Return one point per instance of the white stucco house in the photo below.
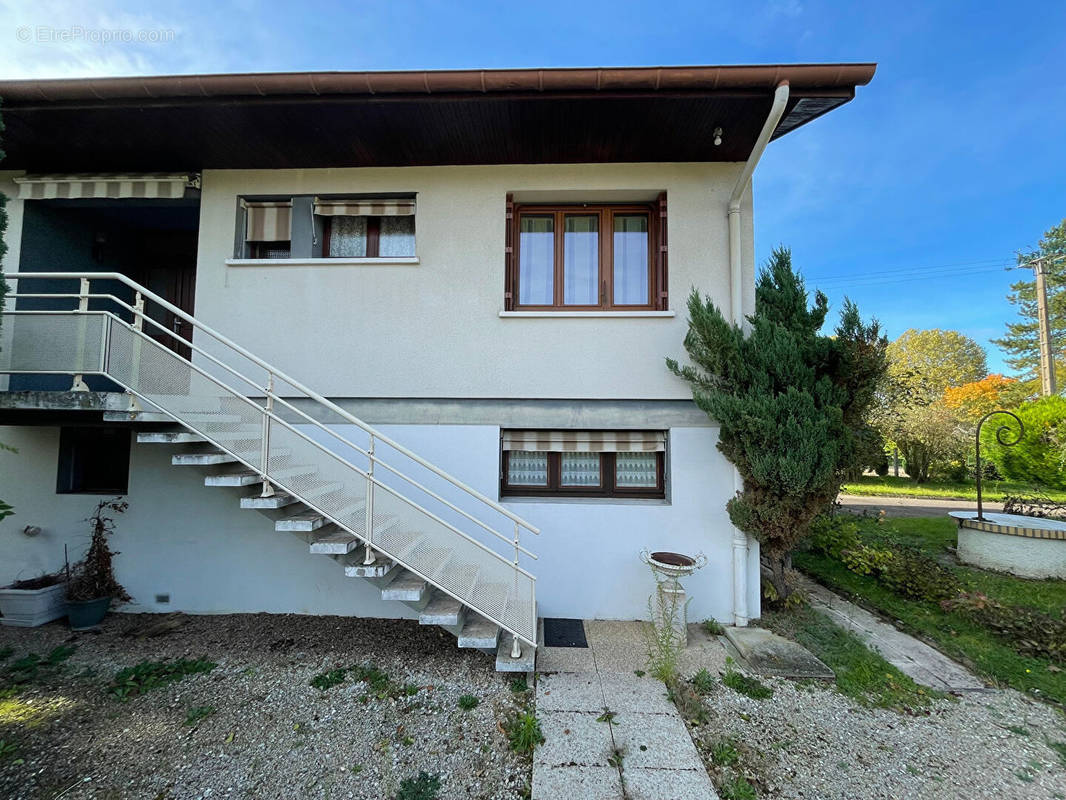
(417, 319)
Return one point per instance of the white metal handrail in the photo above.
(270, 416)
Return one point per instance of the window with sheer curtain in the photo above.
(588, 257)
(583, 463)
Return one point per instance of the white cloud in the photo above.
(66, 38)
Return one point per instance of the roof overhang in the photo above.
(358, 119)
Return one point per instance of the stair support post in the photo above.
(268, 489)
(137, 326)
(369, 525)
(79, 385)
(516, 646)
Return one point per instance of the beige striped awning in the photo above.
(108, 186)
(352, 207)
(586, 441)
(268, 220)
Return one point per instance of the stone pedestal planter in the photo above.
(28, 608)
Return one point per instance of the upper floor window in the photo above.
(587, 257)
(367, 228)
(308, 227)
(268, 228)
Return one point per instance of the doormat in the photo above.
(564, 633)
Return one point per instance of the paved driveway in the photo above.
(909, 506)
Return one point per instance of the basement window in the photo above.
(583, 463)
(93, 461)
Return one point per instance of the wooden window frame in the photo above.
(608, 481)
(606, 212)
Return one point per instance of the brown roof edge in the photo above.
(801, 77)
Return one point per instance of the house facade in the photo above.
(381, 307)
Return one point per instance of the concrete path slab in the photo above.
(925, 664)
(644, 738)
(766, 653)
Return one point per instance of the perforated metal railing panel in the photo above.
(326, 475)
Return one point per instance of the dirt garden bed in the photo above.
(386, 706)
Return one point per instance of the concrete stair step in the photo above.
(301, 521)
(479, 633)
(279, 500)
(202, 459)
(236, 478)
(526, 662)
(169, 437)
(380, 567)
(442, 609)
(332, 540)
(406, 587)
(247, 477)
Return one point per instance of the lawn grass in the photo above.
(889, 486)
(861, 674)
(955, 635)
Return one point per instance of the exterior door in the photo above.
(170, 272)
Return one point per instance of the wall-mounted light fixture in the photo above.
(717, 136)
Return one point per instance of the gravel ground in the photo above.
(272, 735)
(809, 741)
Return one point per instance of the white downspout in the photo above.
(736, 306)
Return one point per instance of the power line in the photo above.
(875, 280)
(906, 269)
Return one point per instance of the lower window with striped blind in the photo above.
(562, 463)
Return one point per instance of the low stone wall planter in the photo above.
(1030, 547)
(28, 608)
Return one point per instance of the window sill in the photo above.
(527, 314)
(322, 262)
(589, 501)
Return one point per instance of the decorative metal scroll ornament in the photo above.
(1003, 434)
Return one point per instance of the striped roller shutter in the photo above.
(268, 221)
(109, 186)
(386, 207)
(586, 441)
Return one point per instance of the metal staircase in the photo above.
(388, 515)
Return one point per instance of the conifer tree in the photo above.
(791, 403)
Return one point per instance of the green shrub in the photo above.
(1028, 631)
(747, 685)
(150, 675)
(1038, 457)
(424, 787)
(832, 535)
(911, 573)
(866, 560)
(523, 732)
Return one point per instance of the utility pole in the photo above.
(1047, 359)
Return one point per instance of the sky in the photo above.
(911, 200)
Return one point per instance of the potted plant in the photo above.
(91, 584)
(35, 601)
